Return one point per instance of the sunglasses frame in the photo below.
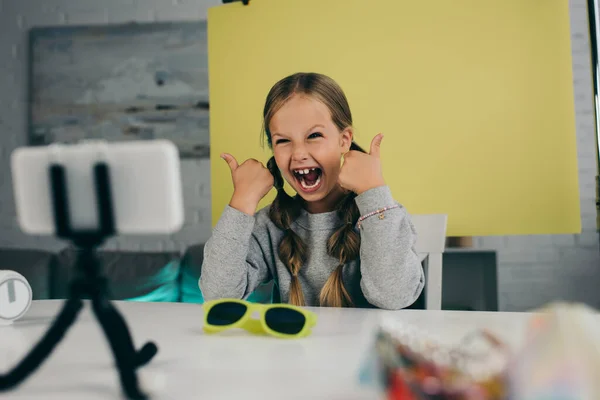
(258, 326)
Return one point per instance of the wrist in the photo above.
(374, 184)
(374, 199)
(244, 203)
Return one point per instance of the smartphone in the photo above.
(144, 177)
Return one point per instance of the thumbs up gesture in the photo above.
(360, 171)
(251, 182)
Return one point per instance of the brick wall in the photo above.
(532, 270)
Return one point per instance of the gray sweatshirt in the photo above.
(242, 254)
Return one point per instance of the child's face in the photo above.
(308, 146)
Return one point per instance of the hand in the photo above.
(360, 171)
(251, 182)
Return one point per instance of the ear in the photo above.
(346, 137)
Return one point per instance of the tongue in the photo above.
(311, 177)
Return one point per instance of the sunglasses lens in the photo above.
(226, 313)
(285, 320)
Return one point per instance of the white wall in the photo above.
(532, 270)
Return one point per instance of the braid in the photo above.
(344, 245)
(292, 250)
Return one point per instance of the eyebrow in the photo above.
(307, 131)
(313, 127)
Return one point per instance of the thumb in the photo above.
(231, 161)
(376, 145)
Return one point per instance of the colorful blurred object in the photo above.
(558, 360)
(412, 365)
(561, 356)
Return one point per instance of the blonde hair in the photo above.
(344, 243)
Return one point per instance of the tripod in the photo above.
(88, 283)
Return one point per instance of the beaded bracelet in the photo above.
(379, 211)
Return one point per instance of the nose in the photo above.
(299, 153)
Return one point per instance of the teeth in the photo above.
(304, 186)
(304, 171)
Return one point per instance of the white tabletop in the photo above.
(233, 365)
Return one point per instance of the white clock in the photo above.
(15, 296)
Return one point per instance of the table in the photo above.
(234, 365)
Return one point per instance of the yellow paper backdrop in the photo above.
(474, 97)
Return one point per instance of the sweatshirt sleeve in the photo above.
(392, 274)
(234, 262)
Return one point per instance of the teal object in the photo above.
(166, 293)
(191, 293)
(165, 283)
(177, 281)
(263, 294)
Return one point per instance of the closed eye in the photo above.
(280, 141)
(315, 135)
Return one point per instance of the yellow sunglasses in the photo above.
(279, 320)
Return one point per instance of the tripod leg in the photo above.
(44, 347)
(119, 326)
(145, 354)
(127, 359)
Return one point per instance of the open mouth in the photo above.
(309, 179)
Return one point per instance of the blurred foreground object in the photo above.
(561, 355)
(409, 364)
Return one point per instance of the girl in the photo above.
(341, 241)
